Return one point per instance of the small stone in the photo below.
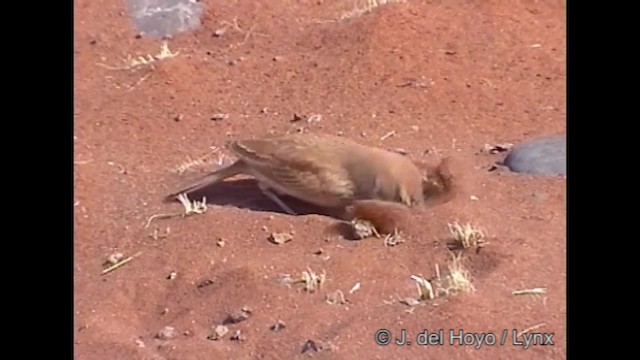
(166, 333)
(296, 118)
(280, 238)
(400, 151)
(238, 316)
(309, 345)
(219, 32)
(218, 332)
(220, 116)
(172, 275)
(115, 258)
(205, 283)
(409, 301)
(238, 336)
(279, 325)
(496, 148)
(314, 118)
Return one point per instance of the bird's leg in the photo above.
(273, 197)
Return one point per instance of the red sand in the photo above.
(446, 76)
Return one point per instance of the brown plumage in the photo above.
(384, 216)
(325, 170)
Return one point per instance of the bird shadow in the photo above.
(245, 194)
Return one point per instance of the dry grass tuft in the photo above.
(131, 63)
(336, 298)
(424, 287)
(369, 6)
(312, 281)
(466, 236)
(190, 208)
(363, 229)
(456, 280)
(393, 239)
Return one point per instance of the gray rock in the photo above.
(159, 18)
(546, 155)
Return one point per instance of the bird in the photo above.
(327, 171)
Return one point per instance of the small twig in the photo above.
(119, 264)
(388, 135)
(140, 81)
(531, 328)
(121, 168)
(234, 24)
(246, 37)
(534, 291)
(160, 216)
(190, 208)
(486, 81)
(239, 29)
(355, 288)
(157, 235)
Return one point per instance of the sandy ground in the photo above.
(447, 77)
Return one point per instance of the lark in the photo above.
(328, 171)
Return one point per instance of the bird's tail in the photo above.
(209, 179)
